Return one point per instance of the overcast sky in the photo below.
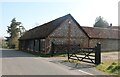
(36, 12)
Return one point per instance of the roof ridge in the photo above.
(45, 29)
(50, 21)
(99, 28)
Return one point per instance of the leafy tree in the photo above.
(100, 22)
(3, 43)
(22, 30)
(15, 31)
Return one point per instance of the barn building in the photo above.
(66, 30)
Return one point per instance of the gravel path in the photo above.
(110, 56)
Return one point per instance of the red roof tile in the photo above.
(105, 33)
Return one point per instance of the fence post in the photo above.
(52, 49)
(68, 54)
(98, 53)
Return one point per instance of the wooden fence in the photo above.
(90, 55)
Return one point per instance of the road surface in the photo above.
(21, 63)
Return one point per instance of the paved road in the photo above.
(21, 63)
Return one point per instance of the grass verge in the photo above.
(71, 61)
(112, 68)
(55, 55)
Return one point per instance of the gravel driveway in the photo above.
(110, 56)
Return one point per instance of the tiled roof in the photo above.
(44, 30)
(115, 27)
(104, 33)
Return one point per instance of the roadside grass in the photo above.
(109, 67)
(71, 61)
(60, 55)
(112, 68)
(55, 55)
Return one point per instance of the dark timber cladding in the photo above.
(66, 30)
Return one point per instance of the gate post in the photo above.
(52, 49)
(98, 53)
(68, 54)
(33, 46)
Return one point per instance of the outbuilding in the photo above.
(67, 31)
